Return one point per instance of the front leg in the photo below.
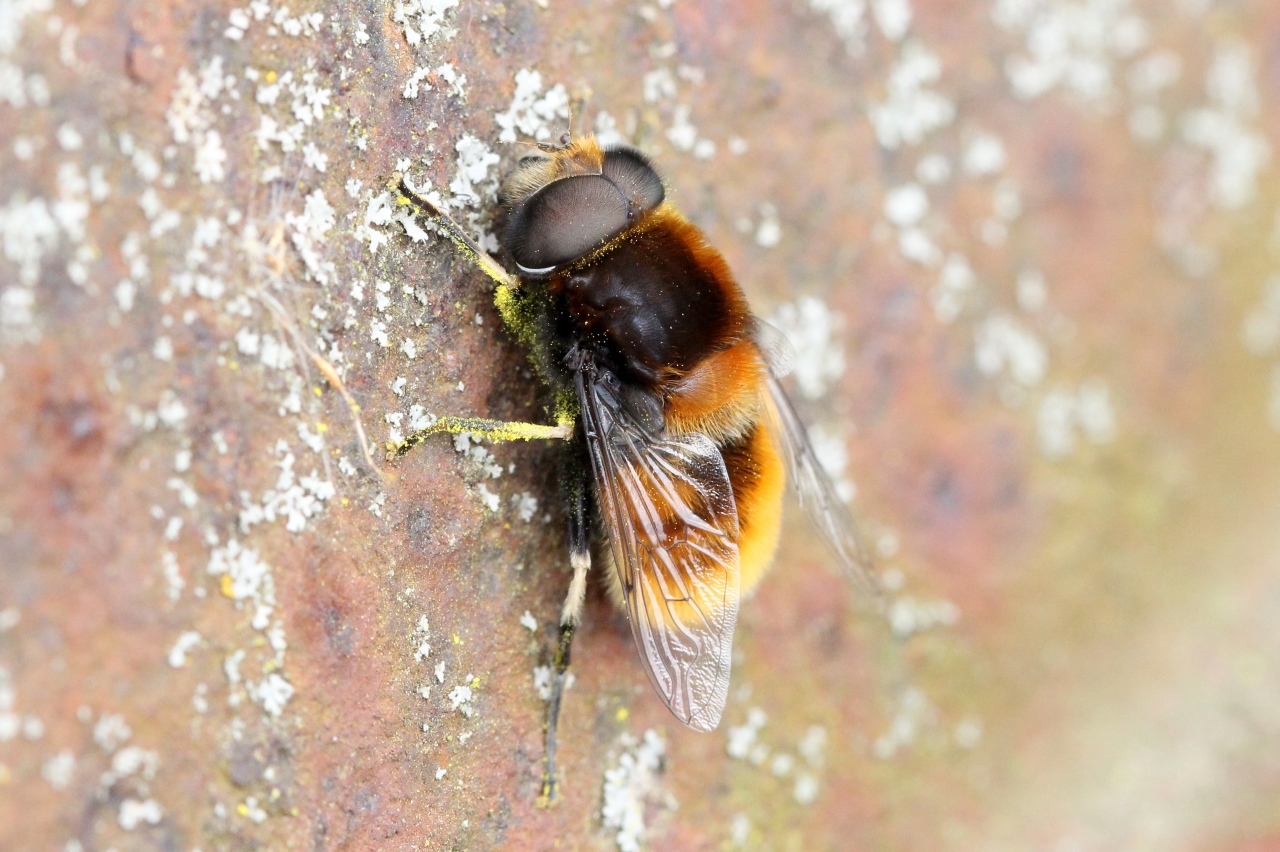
(469, 247)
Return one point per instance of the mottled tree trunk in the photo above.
(1027, 253)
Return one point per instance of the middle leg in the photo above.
(493, 430)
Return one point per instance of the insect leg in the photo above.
(493, 430)
(579, 555)
(469, 247)
(580, 559)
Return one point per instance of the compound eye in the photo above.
(633, 174)
(564, 221)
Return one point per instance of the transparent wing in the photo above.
(779, 354)
(815, 490)
(673, 529)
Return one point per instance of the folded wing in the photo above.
(673, 529)
(815, 490)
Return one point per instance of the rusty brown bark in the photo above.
(1028, 252)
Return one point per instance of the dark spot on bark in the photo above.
(364, 803)
(74, 421)
(495, 823)
(1066, 168)
(337, 634)
(520, 26)
(245, 765)
(63, 498)
(944, 493)
(828, 634)
(420, 527)
(1009, 495)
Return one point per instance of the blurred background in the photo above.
(1028, 252)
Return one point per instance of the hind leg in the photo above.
(570, 613)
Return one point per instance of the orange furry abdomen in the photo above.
(758, 477)
(722, 398)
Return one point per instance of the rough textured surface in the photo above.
(1029, 252)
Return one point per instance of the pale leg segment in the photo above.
(580, 559)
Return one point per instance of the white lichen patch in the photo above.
(848, 18)
(188, 640)
(272, 692)
(111, 731)
(913, 714)
(968, 733)
(29, 232)
(544, 678)
(632, 786)
(984, 155)
(475, 181)
(1004, 348)
(746, 744)
(307, 232)
(768, 233)
(956, 282)
(10, 721)
(295, 499)
(906, 205)
(740, 830)
(1066, 416)
(1149, 78)
(533, 113)
(833, 455)
(490, 500)
(1070, 45)
(813, 330)
(59, 770)
(744, 739)
(525, 504)
(683, 135)
(908, 615)
(245, 578)
(133, 763)
(1225, 128)
(910, 109)
(460, 698)
(133, 813)
(422, 638)
(192, 113)
(423, 20)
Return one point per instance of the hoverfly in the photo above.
(679, 434)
